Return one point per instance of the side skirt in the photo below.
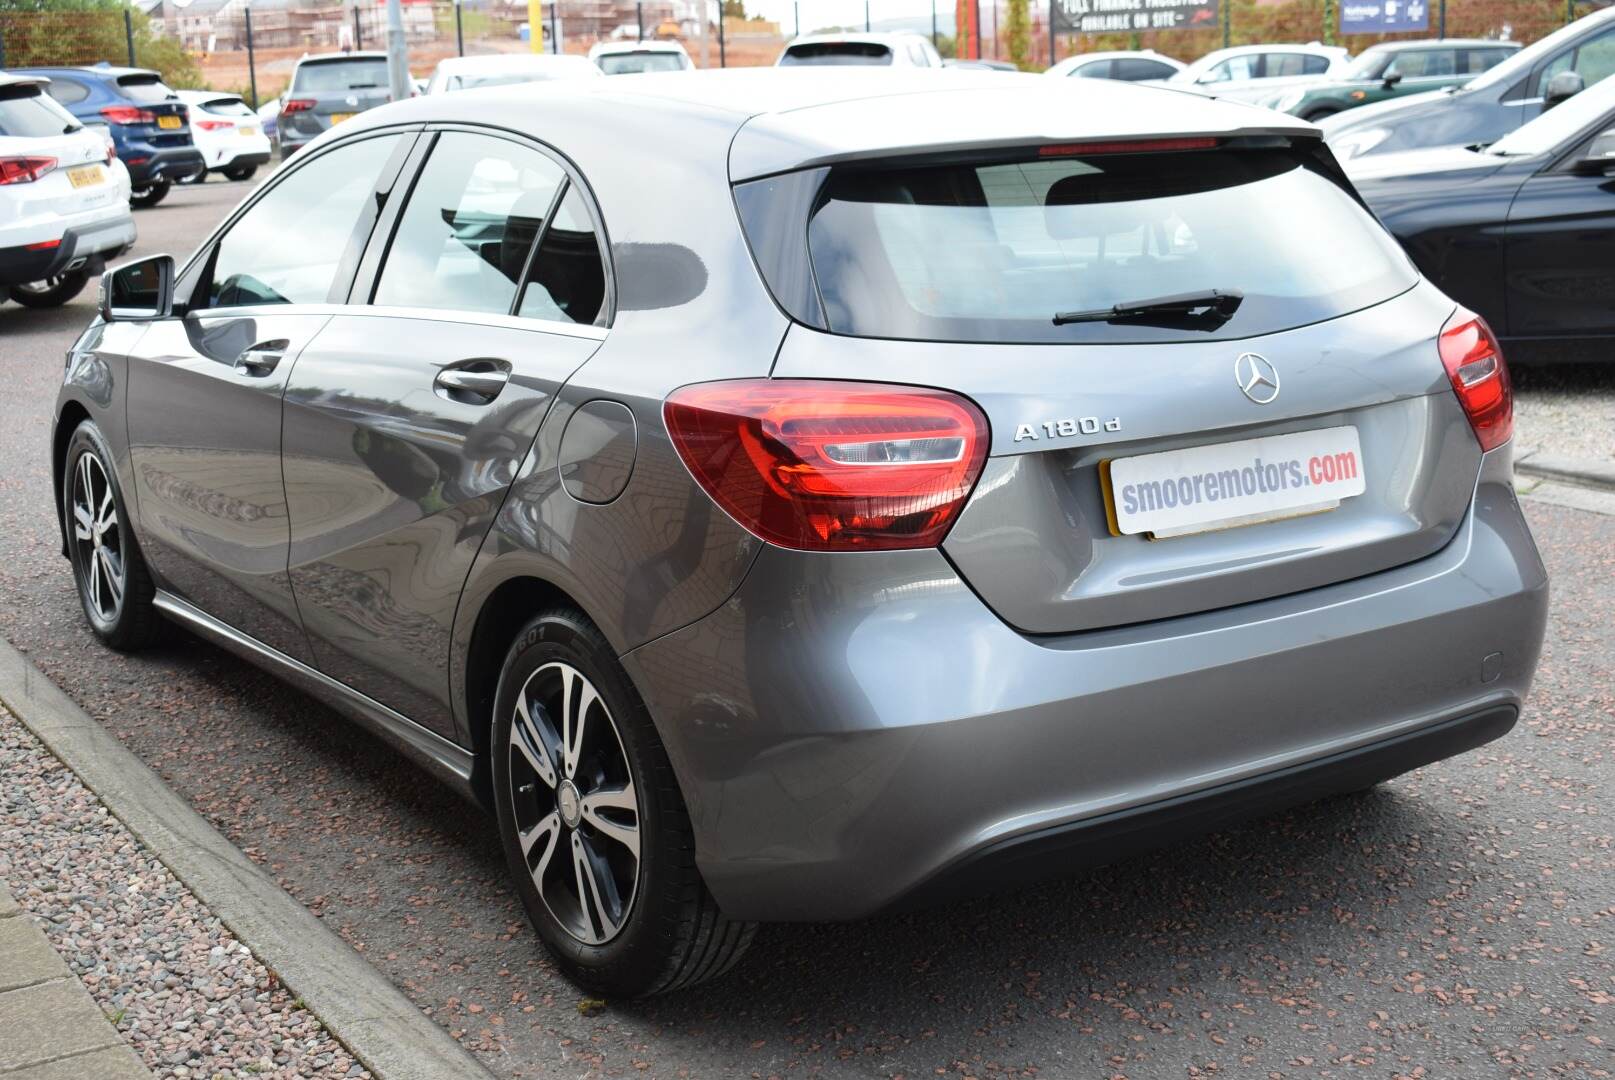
(446, 761)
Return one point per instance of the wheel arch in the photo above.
(73, 413)
(501, 616)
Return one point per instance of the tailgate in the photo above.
(1036, 539)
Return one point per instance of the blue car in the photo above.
(150, 126)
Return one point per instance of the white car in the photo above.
(503, 69)
(866, 50)
(633, 57)
(1142, 65)
(228, 132)
(64, 197)
(1249, 72)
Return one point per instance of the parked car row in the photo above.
(64, 197)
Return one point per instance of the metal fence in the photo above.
(252, 48)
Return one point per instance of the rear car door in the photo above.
(1560, 261)
(408, 420)
(204, 404)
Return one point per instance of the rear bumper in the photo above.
(148, 164)
(240, 160)
(83, 244)
(853, 733)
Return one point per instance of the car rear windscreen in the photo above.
(146, 89)
(27, 114)
(362, 73)
(993, 252)
(634, 63)
(228, 106)
(830, 53)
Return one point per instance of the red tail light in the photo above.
(831, 466)
(24, 170)
(213, 125)
(296, 105)
(128, 114)
(1475, 365)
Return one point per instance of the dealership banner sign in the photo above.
(1128, 16)
(1383, 16)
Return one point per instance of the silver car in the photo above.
(884, 489)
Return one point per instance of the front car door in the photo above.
(205, 389)
(1560, 270)
(409, 418)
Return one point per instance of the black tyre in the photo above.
(52, 292)
(592, 821)
(1318, 114)
(114, 586)
(240, 172)
(142, 198)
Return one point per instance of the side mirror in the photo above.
(1561, 88)
(1599, 160)
(1392, 79)
(138, 291)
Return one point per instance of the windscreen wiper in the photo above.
(1217, 305)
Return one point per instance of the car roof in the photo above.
(100, 71)
(209, 95)
(1277, 46)
(605, 48)
(875, 37)
(333, 57)
(1436, 43)
(780, 120)
(506, 61)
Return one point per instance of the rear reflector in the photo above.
(44, 245)
(1127, 146)
(1479, 376)
(831, 466)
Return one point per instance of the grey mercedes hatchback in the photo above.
(787, 495)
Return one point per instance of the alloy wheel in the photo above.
(576, 811)
(102, 566)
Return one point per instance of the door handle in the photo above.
(261, 359)
(477, 383)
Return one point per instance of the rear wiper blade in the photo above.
(1219, 304)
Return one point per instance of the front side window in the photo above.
(993, 252)
(1099, 69)
(288, 245)
(465, 236)
(1593, 60)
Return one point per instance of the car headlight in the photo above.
(1357, 143)
(1286, 101)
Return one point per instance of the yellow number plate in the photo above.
(248, 131)
(86, 176)
(337, 118)
(170, 122)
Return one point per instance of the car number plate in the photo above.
(248, 131)
(86, 176)
(170, 123)
(1227, 485)
(337, 118)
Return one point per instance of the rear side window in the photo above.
(28, 114)
(1314, 65)
(1416, 63)
(1478, 60)
(286, 248)
(1132, 69)
(568, 279)
(830, 53)
(67, 91)
(146, 89)
(992, 252)
(335, 75)
(464, 240)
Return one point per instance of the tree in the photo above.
(45, 33)
(734, 9)
(1018, 29)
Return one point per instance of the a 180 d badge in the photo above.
(1067, 427)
